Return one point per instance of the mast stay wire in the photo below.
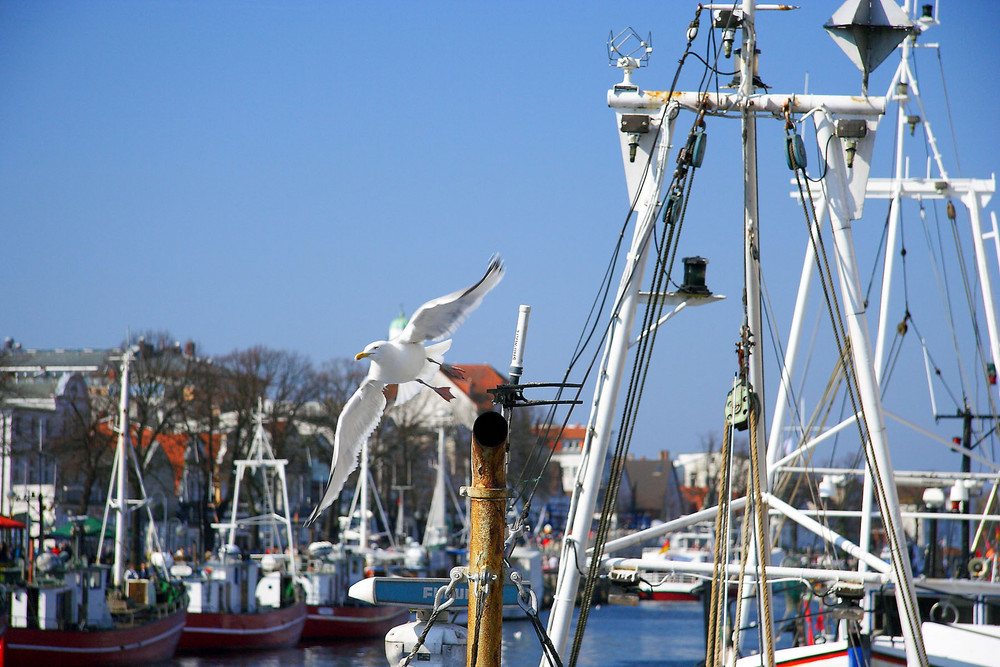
(654, 307)
(947, 106)
(585, 339)
(640, 370)
(782, 481)
(944, 286)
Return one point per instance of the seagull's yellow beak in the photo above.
(361, 355)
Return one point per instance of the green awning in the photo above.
(91, 526)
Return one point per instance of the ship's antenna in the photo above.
(628, 51)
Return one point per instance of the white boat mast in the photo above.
(436, 530)
(751, 285)
(121, 477)
(261, 458)
(645, 168)
(363, 491)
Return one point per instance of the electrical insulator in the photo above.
(950, 210)
(692, 29)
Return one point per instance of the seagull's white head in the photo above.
(372, 350)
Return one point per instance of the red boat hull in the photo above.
(326, 622)
(669, 595)
(83, 648)
(280, 628)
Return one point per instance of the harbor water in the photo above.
(653, 633)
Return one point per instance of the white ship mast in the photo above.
(121, 480)
(644, 156)
(118, 499)
(272, 518)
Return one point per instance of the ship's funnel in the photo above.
(868, 31)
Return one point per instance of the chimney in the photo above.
(189, 348)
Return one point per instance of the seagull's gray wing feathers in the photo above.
(440, 317)
(359, 418)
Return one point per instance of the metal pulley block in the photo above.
(795, 152)
(738, 405)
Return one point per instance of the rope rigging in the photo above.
(528, 484)
(681, 182)
(853, 389)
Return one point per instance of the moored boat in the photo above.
(232, 607)
(239, 602)
(351, 621)
(685, 546)
(333, 615)
(89, 630)
(75, 613)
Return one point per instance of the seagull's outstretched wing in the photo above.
(440, 317)
(359, 418)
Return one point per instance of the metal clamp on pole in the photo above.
(487, 494)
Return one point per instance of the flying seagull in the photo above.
(405, 361)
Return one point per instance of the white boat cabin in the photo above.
(230, 586)
(75, 599)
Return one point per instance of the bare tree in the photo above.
(85, 446)
(204, 401)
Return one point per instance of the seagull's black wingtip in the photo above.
(312, 518)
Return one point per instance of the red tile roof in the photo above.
(574, 432)
(478, 378)
(174, 446)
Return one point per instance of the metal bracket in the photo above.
(635, 123)
(512, 395)
(487, 494)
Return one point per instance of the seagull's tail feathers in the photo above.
(357, 421)
(439, 318)
(435, 357)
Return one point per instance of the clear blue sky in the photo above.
(291, 174)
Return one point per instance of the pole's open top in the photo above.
(490, 429)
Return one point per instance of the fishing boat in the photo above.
(877, 610)
(331, 570)
(693, 546)
(77, 613)
(332, 614)
(241, 601)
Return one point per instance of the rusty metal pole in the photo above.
(487, 524)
